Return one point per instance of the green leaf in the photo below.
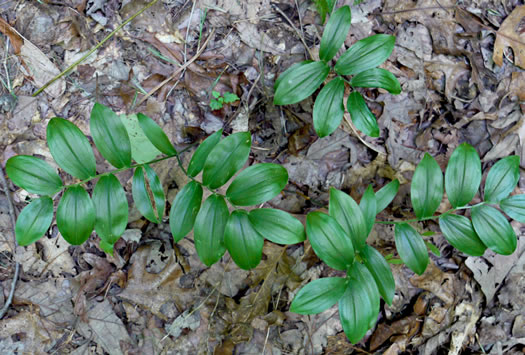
(277, 226)
(365, 54)
(184, 210)
(215, 105)
(111, 209)
(34, 221)
(242, 240)
(257, 184)
(329, 241)
(359, 305)
(226, 158)
(502, 178)
(335, 33)
(33, 174)
(349, 216)
(362, 118)
(216, 94)
(494, 230)
(514, 207)
(368, 207)
(380, 270)
(463, 175)
(329, 107)
(75, 215)
(110, 136)
(156, 135)
(201, 154)
(208, 232)
(377, 78)
(426, 191)
(106, 247)
(460, 233)
(300, 82)
(230, 98)
(386, 194)
(289, 72)
(433, 249)
(142, 150)
(319, 295)
(411, 248)
(324, 7)
(70, 148)
(141, 189)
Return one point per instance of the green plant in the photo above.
(360, 60)
(339, 237)
(219, 100)
(241, 233)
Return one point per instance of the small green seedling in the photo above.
(219, 100)
(360, 61)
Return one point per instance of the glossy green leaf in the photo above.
(201, 154)
(502, 178)
(226, 158)
(426, 190)
(362, 117)
(75, 215)
(257, 184)
(111, 209)
(208, 232)
(324, 7)
(377, 78)
(349, 216)
(156, 135)
(300, 83)
(277, 226)
(142, 150)
(411, 248)
(494, 230)
(329, 107)
(242, 240)
(433, 249)
(141, 189)
(184, 210)
(365, 54)
(329, 241)
(319, 295)
(106, 247)
(33, 175)
(335, 33)
(380, 270)
(34, 221)
(289, 72)
(460, 233)
(70, 148)
(359, 305)
(514, 207)
(368, 207)
(463, 175)
(386, 194)
(110, 136)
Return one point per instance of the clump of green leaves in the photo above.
(360, 61)
(339, 237)
(219, 100)
(216, 230)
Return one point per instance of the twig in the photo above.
(92, 50)
(181, 68)
(301, 37)
(12, 214)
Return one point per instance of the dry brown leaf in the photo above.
(509, 35)
(14, 37)
(442, 284)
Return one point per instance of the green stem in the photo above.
(92, 50)
(450, 211)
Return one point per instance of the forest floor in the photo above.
(156, 297)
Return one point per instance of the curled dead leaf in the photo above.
(510, 35)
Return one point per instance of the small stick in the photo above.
(12, 214)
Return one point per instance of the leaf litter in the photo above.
(459, 69)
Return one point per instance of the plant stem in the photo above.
(92, 50)
(450, 211)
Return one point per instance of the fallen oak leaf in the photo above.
(509, 35)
